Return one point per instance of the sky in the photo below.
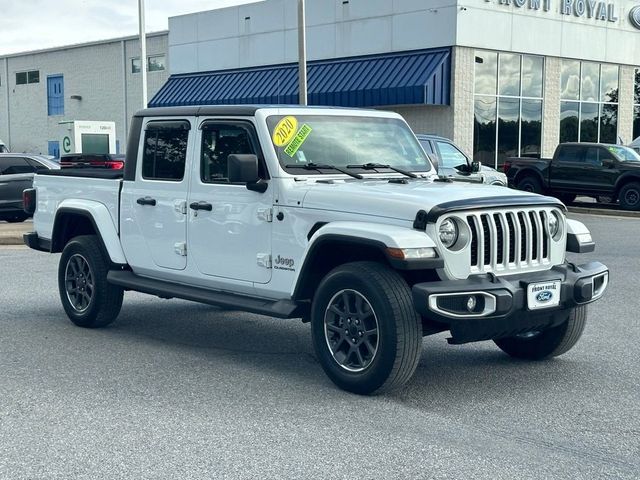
(37, 24)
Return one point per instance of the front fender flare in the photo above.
(366, 233)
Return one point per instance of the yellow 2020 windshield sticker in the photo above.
(298, 140)
(284, 131)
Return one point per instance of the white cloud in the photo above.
(36, 24)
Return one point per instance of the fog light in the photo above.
(471, 303)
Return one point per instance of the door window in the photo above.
(571, 154)
(451, 156)
(165, 150)
(593, 156)
(218, 142)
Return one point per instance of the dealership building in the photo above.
(42, 91)
(500, 77)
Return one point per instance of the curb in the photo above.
(12, 239)
(604, 211)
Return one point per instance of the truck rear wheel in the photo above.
(88, 299)
(366, 333)
(547, 343)
(630, 196)
(529, 183)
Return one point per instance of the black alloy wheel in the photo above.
(351, 330)
(79, 283)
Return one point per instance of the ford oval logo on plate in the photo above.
(544, 296)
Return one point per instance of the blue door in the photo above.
(55, 94)
(54, 148)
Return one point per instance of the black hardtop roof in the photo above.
(239, 110)
(590, 144)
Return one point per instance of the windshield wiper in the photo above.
(375, 166)
(315, 166)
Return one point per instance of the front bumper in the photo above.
(501, 305)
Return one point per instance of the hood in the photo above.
(403, 201)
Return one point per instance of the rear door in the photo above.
(566, 167)
(153, 217)
(229, 225)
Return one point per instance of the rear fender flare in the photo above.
(98, 214)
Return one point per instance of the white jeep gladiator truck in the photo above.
(331, 215)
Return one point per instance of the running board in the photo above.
(271, 308)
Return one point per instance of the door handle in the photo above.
(146, 201)
(201, 206)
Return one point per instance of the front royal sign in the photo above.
(588, 9)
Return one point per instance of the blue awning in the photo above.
(407, 78)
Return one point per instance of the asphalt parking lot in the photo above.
(180, 390)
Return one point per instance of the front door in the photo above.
(153, 218)
(229, 225)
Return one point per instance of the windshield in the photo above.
(624, 153)
(345, 142)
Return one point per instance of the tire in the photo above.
(17, 218)
(629, 196)
(566, 198)
(87, 298)
(529, 183)
(376, 298)
(548, 343)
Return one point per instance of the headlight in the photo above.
(448, 233)
(554, 224)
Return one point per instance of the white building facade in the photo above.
(92, 81)
(519, 77)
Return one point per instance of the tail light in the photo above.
(506, 166)
(29, 200)
(115, 165)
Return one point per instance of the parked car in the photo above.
(451, 162)
(92, 160)
(331, 215)
(603, 171)
(3, 147)
(16, 175)
(635, 145)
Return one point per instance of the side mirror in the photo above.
(475, 166)
(244, 169)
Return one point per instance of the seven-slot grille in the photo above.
(509, 239)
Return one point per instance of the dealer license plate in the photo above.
(543, 295)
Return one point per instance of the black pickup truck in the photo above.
(606, 172)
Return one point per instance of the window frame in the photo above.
(156, 124)
(164, 63)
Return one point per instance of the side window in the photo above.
(14, 165)
(426, 146)
(571, 154)
(451, 156)
(165, 150)
(593, 156)
(220, 140)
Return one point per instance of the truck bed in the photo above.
(69, 187)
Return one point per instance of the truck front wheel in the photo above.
(87, 298)
(529, 183)
(366, 333)
(547, 343)
(630, 196)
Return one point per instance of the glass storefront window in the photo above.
(590, 82)
(532, 69)
(569, 127)
(509, 75)
(609, 123)
(609, 84)
(486, 73)
(594, 118)
(531, 128)
(508, 106)
(636, 109)
(570, 80)
(508, 128)
(484, 129)
(589, 122)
